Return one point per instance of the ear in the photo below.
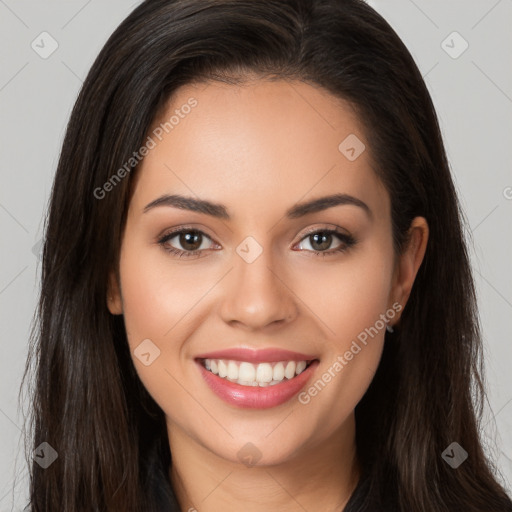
(114, 302)
(408, 263)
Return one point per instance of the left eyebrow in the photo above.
(323, 203)
(220, 211)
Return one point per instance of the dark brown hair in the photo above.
(88, 402)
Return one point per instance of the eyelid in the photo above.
(185, 227)
(325, 227)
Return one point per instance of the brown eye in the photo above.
(189, 242)
(321, 240)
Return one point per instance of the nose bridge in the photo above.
(255, 294)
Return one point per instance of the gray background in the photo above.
(472, 92)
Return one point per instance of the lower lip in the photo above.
(256, 397)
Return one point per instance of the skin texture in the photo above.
(260, 149)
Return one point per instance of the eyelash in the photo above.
(348, 241)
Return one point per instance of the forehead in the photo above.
(258, 144)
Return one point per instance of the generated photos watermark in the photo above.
(158, 133)
(342, 360)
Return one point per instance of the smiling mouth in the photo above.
(252, 375)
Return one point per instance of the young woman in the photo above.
(256, 293)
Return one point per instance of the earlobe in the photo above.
(410, 260)
(114, 302)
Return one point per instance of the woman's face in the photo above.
(262, 279)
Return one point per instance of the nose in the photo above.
(256, 295)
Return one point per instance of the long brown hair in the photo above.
(88, 403)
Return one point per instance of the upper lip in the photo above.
(256, 356)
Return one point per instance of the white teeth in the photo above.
(289, 371)
(246, 382)
(232, 370)
(223, 369)
(264, 372)
(301, 366)
(248, 374)
(278, 373)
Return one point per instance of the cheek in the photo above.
(350, 295)
(156, 294)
